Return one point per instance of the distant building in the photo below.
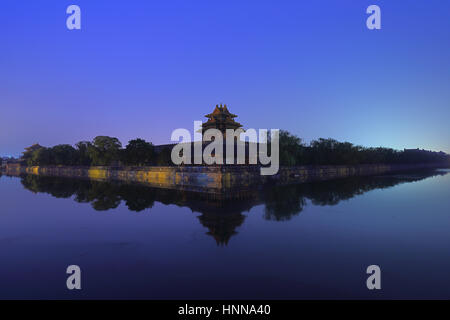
(27, 154)
(4, 161)
(220, 119)
(33, 148)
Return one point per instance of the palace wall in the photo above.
(220, 180)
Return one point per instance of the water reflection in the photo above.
(220, 217)
(284, 202)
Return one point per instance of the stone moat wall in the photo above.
(214, 179)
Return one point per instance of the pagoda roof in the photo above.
(221, 111)
(34, 147)
(220, 119)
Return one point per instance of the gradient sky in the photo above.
(144, 68)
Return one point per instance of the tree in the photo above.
(138, 152)
(40, 157)
(63, 154)
(104, 150)
(82, 148)
(291, 149)
(163, 158)
(28, 153)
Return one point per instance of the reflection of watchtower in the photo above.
(221, 226)
(220, 119)
(222, 217)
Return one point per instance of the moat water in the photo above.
(306, 241)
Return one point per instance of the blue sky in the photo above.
(145, 68)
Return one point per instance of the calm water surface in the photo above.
(306, 241)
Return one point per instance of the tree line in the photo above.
(107, 151)
(294, 152)
(102, 151)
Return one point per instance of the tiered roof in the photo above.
(221, 119)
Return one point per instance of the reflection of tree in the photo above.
(137, 198)
(283, 202)
(59, 188)
(334, 191)
(101, 195)
(83, 192)
(104, 196)
(220, 216)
